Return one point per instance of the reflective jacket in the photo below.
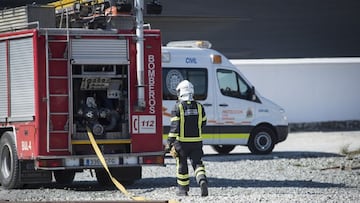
(187, 120)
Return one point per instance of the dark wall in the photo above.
(260, 28)
(265, 28)
(15, 3)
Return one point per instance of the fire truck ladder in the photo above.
(58, 88)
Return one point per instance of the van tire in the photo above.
(262, 140)
(223, 149)
(9, 162)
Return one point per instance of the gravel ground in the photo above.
(292, 173)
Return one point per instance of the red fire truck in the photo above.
(60, 78)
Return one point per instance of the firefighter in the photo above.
(184, 139)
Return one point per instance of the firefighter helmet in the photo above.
(185, 90)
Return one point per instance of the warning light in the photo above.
(50, 163)
(152, 160)
(216, 59)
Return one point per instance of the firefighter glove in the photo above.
(167, 148)
(173, 152)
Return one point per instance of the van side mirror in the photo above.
(252, 93)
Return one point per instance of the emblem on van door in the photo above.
(249, 113)
(173, 78)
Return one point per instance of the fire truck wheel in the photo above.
(65, 177)
(125, 175)
(223, 149)
(9, 162)
(262, 140)
(102, 177)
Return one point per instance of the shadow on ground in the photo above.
(151, 184)
(165, 182)
(273, 155)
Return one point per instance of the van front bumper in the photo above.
(282, 132)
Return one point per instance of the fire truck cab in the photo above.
(57, 85)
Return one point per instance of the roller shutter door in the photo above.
(3, 81)
(99, 51)
(22, 103)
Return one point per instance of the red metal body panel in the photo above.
(24, 131)
(26, 140)
(71, 90)
(145, 126)
(57, 68)
(151, 139)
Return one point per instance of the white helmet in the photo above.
(185, 90)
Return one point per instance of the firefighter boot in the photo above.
(182, 190)
(202, 180)
(204, 188)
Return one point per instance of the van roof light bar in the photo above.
(190, 44)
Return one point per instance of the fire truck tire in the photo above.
(64, 177)
(223, 149)
(262, 140)
(9, 162)
(125, 175)
(102, 177)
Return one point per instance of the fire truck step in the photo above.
(58, 40)
(58, 77)
(58, 59)
(59, 113)
(121, 141)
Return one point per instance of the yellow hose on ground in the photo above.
(116, 182)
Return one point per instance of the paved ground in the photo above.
(328, 142)
(304, 168)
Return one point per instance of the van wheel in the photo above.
(9, 162)
(223, 149)
(262, 140)
(65, 177)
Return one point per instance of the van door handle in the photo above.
(207, 104)
(223, 105)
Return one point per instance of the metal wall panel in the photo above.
(13, 18)
(20, 17)
(22, 103)
(3, 81)
(99, 51)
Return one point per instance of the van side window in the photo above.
(172, 76)
(232, 85)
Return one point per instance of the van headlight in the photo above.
(282, 112)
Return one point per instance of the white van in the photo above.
(236, 113)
